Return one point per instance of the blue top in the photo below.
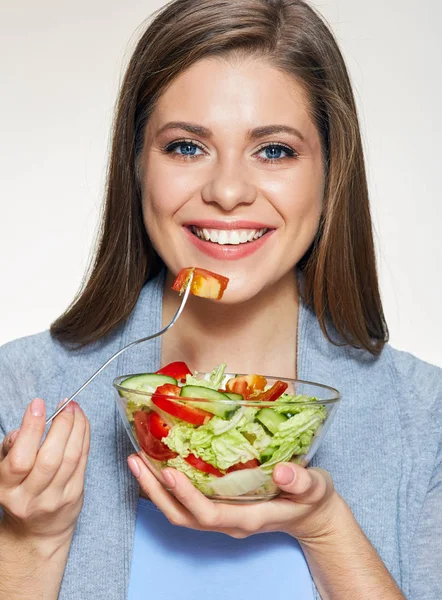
(383, 451)
(175, 562)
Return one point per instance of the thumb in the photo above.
(307, 486)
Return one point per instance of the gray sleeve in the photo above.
(426, 545)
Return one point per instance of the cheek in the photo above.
(168, 186)
(299, 197)
(162, 194)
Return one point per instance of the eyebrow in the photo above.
(252, 134)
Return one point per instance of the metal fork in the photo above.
(150, 337)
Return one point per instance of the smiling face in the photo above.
(232, 174)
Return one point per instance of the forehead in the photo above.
(226, 92)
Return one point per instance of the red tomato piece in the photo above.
(178, 370)
(201, 465)
(149, 444)
(157, 427)
(277, 389)
(251, 464)
(246, 385)
(204, 283)
(190, 414)
(168, 389)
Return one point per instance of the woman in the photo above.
(232, 116)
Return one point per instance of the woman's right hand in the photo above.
(42, 486)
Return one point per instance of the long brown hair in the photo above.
(340, 278)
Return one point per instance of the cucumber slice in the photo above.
(233, 396)
(266, 455)
(148, 382)
(271, 419)
(215, 406)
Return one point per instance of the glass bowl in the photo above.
(230, 454)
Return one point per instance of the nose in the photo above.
(228, 185)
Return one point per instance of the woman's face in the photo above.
(232, 174)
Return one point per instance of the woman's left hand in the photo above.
(304, 509)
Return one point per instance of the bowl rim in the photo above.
(244, 402)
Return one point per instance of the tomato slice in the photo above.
(178, 370)
(190, 414)
(205, 283)
(201, 465)
(157, 427)
(251, 464)
(148, 443)
(246, 385)
(277, 389)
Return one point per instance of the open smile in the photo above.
(229, 240)
(228, 236)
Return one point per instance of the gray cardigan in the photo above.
(383, 449)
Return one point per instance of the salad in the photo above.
(226, 433)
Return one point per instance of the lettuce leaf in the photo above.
(297, 404)
(221, 451)
(294, 436)
(214, 380)
(199, 479)
(256, 435)
(309, 418)
(248, 416)
(136, 403)
(178, 439)
(232, 447)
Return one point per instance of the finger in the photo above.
(243, 520)
(73, 452)
(8, 443)
(232, 519)
(206, 512)
(21, 457)
(190, 508)
(306, 486)
(175, 512)
(50, 455)
(76, 483)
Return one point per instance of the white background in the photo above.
(60, 68)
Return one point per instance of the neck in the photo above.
(257, 336)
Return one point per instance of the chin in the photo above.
(240, 291)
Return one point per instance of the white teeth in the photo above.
(234, 237)
(223, 237)
(229, 236)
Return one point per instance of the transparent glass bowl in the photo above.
(309, 422)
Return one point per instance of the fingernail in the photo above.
(37, 407)
(169, 478)
(70, 407)
(283, 475)
(133, 466)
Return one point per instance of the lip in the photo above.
(228, 252)
(226, 225)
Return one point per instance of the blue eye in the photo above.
(186, 149)
(274, 152)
